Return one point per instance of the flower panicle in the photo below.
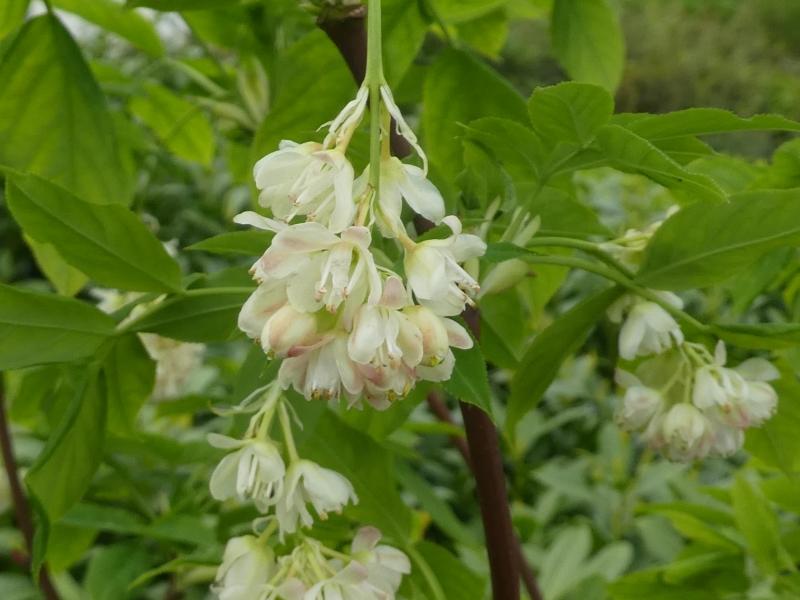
(345, 326)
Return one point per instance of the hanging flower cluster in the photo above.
(345, 324)
(684, 400)
(290, 491)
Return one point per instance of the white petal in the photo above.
(367, 335)
(422, 196)
(457, 336)
(223, 479)
(254, 219)
(758, 369)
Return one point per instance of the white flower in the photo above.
(307, 482)
(385, 565)
(687, 433)
(323, 371)
(400, 182)
(246, 566)
(648, 328)
(438, 336)
(402, 126)
(320, 268)
(347, 584)
(342, 127)
(434, 274)
(741, 395)
(727, 440)
(309, 181)
(640, 403)
(289, 332)
(255, 470)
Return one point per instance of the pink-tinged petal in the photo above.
(366, 539)
(457, 336)
(253, 219)
(409, 339)
(394, 294)
(265, 300)
(304, 237)
(358, 236)
(422, 196)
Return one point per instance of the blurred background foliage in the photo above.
(192, 96)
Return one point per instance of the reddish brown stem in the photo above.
(348, 33)
(22, 509)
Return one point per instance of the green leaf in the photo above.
(368, 466)
(107, 242)
(631, 153)
(541, 362)
(512, 145)
(404, 29)
(312, 85)
(562, 215)
(759, 335)
(588, 41)
(252, 242)
(115, 18)
(470, 380)
(440, 512)
(704, 244)
(486, 34)
(42, 328)
(67, 280)
(454, 578)
(167, 5)
(181, 126)
(54, 121)
(566, 556)
(702, 121)
(569, 112)
(66, 465)
(12, 14)
(113, 568)
(205, 315)
(759, 524)
(130, 375)
(776, 442)
(461, 11)
(447, 107)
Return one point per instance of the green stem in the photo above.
(619, 278)
(374, 79)
(427, 573)
(584, 246)
(288, 437)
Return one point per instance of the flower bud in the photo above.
(287, 331)
(435, 342)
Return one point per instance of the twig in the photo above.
(507, 563)
(22, 509)
(439, 409)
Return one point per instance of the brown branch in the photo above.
(22, 509)
(348, 32)
(438, 407)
